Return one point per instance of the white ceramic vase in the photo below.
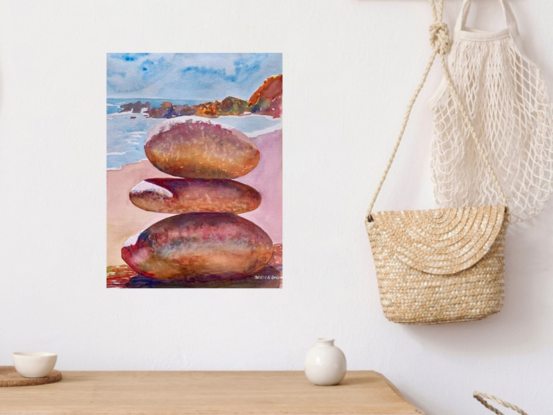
(325, 364)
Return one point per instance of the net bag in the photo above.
(507, 101)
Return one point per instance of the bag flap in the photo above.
(440, 241)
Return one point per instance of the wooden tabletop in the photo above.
(213, 393)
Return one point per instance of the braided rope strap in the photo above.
(481, 397)
(441, 45)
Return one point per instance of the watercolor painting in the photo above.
(194, 170)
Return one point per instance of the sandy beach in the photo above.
(123, 218)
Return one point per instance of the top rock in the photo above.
(200, 150)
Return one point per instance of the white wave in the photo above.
(119, 114)
(117, 153)
(264, 131)
(127, 164)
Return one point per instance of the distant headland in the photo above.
(267, 100)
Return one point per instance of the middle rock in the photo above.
(194, 195)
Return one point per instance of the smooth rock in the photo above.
(199, 244)
(194, 195)
(267, 100)
(197, 149)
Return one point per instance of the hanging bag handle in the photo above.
(510, 19)
(481, 397)
(441, 45)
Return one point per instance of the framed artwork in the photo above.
(194, 170)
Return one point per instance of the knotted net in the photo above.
(510, 109)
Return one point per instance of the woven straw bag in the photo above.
(482, 397)
(442, 265)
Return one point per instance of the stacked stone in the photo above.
(206, 238)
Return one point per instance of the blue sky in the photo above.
(206, 76)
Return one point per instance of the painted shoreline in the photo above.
(127, 130)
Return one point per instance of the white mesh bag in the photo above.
(508, 103)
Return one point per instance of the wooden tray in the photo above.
(10, 377)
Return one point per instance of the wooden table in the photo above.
(213, 393)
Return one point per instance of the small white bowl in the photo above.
(34, 364)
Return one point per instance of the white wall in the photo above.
(350, 67)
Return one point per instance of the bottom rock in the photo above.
(199, 244)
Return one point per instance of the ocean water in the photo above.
(126, 132)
